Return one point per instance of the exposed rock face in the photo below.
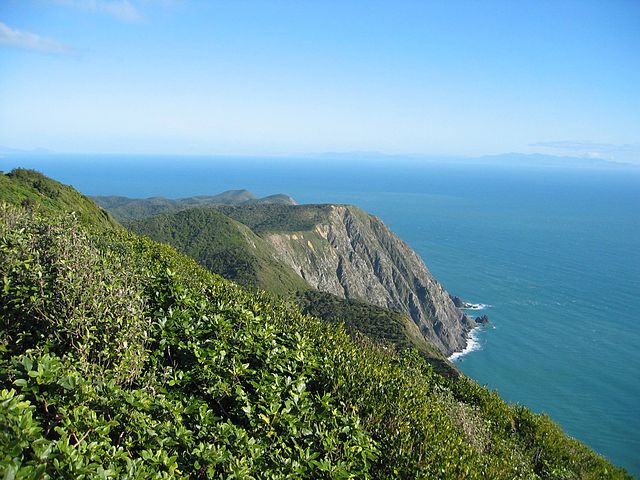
(354, 255)
(457, 301)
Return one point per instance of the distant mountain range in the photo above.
(38, 151)
(511, 159)
(505, 159)
(541, 160)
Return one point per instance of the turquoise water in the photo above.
(556, 253)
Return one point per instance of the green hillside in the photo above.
(121, 358)
(384, 326)
(35, 191)
(223, 246)
(277, 218)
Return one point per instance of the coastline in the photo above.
(473, 344)
(472, 341)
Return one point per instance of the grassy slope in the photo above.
(35, 191)
(124, 208)
(277, 218)
(223, 246)
(121, 358)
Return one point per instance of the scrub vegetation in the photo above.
(122, 358)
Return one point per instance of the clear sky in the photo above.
(282, 77)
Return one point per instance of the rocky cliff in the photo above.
(336, 249)
(354, 255)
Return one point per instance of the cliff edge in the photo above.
(356, 256)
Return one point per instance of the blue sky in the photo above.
(286, 77)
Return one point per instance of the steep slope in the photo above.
(344, 251)
(385, 327)
(125, 208)
(38, 192)
(223, 246)
(335, 249)
(230, 249)
(120, 358)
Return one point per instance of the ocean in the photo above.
(554, 253)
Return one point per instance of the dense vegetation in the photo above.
(384, 326)
(121, 358)
(277, 218)
(223, 246)
(35, 191)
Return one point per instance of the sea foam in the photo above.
(476, 306)
(473, 344)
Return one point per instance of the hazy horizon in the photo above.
(39, 157)
(459, 79)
